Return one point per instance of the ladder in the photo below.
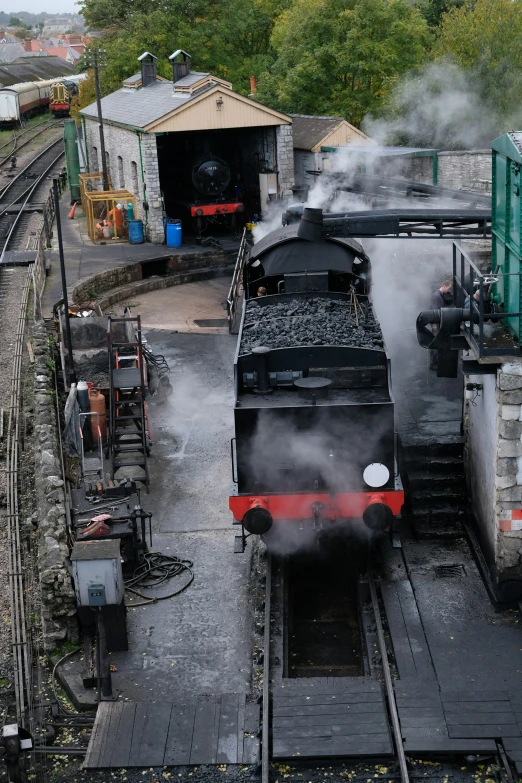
(129, 441)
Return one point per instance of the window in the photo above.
(121, 178)
(95, 158)
(134, 173)
(108, 164)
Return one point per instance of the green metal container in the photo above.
(506, 226)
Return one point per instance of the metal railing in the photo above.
(236, 286)
(468, 280)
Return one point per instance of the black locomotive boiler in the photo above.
(315, 442)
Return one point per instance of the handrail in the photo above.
(462, 289)
(237, 281)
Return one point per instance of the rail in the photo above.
(236, 286)
(388, 683)
(27, 194)
(265, 726)
(468, 281)
(41, 126)
(19, 638)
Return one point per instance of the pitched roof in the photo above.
(309, 131)
(10, 52)
(30, 69)
(138, 107)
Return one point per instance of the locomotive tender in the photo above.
(315, 442)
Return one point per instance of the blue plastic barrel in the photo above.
(136, 232)
(174, 233)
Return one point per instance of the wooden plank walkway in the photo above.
(410, 645)
(211, 729)
(446, 721)
(330, 721)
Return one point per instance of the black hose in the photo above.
(153, 571)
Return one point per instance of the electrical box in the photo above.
(97, 574)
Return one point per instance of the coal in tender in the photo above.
(313, 321)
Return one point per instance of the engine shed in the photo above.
(191, 148)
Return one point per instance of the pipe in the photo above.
(261, 361)
(86, 145)
(72, 158)
(311, 224)
(143, 181)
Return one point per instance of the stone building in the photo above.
(311, 135)
(157, 130)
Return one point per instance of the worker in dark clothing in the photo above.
(438, 300)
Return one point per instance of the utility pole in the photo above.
(96, 59)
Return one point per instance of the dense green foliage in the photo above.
(352, 58)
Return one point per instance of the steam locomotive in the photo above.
(315, 444)
(210, 180)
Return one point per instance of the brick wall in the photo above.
(285, 159)
(121, 143)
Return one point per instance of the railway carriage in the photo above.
(315, 444)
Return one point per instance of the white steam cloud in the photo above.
(440, 107)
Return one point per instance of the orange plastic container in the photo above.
(97, 405)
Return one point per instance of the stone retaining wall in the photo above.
(59, 622)
(180, 269)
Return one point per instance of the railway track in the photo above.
(8, 148)
(381, 669)
(16, 195)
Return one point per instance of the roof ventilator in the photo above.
(148, 68)
(180, 68)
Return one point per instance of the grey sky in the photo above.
(50, 6)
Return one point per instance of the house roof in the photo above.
(311, 132)
(152, 108)
(10, 52)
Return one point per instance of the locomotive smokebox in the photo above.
(311, 225)
(257, 520)
(377, 516)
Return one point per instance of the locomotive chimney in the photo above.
(148, 68)
(261, 364)
(311, 224)
(180, 68)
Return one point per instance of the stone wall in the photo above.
(59, 622)
(285, 159)
(457, 170)
(493, 429)
(465, 170)
(125, 169)
(93, 287)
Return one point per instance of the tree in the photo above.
(433, 10)
(342, 56)
(485, 38)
